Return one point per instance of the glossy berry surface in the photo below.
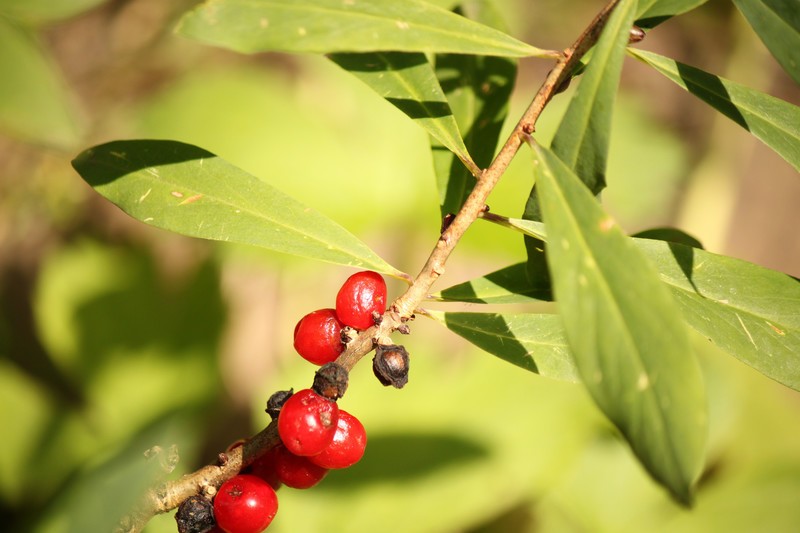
(317, 337)
(245, 504)
(307, 422)
(348, 445)
(361, 295)
(296, 471)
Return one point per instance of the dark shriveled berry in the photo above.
(276, 401)
(390, 365)
(330, 381)
(195, 515)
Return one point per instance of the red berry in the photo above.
(307, 422)
(318, 337)
(245, 504)
(361, 295)
(265, 467)
(296, 471)
(347, 446)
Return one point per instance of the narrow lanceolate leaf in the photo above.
(408, 82)
(582, 138)
(188, 190)
(508, 285)
(478, 89)
(777, 23)
(326, 26)
(625, 331)
(583, 134)
(651, 13)
(751, 312)
(534, 342)
(775, 122)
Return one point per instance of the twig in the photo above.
(170, 494)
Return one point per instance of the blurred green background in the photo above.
(116, 338)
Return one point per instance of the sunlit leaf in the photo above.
(751, 312)
(408, 82)
(583, 134)
(478, 89)
(582, 138)
(625, 331)
(325, 26)
(651, 13)
(185, 189)
(775, 122)
(34, 102)
(534, 342)
(777, 23)
(508, 285)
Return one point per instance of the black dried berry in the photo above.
(276, 401)
(330, 381)
(390, 365)
(195, 515)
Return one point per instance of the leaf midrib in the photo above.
(147, 176)
(433, 29)
(649, 392)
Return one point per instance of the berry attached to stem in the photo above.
(348, 444)
(245, 504)
(295, 471)
(307, 422)
(318, 337)
(361, 295)
(390, 365)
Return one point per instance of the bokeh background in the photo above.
(117, 338)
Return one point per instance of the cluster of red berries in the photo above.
(359, 303)
(316, 436)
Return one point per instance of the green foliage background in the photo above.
(115, 337)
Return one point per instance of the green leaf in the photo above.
(325, 26)
(583, 134)
(185, 189)
(408, 82)
(624, 329)
(777, 23)
(42, 11)
(478, 89)
(34, 102)
(751, 312)
(651, 13)
(534, 342)
(508, 285)
(775, 122)
(582, 138)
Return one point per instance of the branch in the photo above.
(207, 480)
